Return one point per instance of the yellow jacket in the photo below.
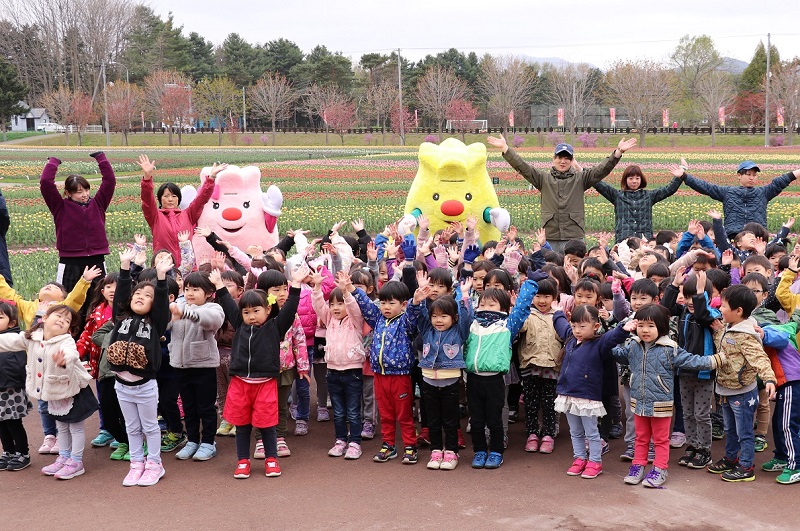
(789, 301)
(27, 309)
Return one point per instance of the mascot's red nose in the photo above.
(452, 208)
(231, 214)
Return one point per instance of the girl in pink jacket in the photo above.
(344, 354)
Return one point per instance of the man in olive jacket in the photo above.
(562, 188)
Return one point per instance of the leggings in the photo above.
(71, 440)
(13, 437)
(139, 404)
(109, 405)
(243, 434)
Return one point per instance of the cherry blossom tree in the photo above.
(124, 104)
(341, 116)
(461, 113)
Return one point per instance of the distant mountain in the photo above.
(734, 66)
(555, 61)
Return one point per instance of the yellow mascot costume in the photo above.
(451, 183)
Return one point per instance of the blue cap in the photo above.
(562, 148)
(747, 165)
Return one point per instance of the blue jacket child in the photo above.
(391, 352)
(445, 349)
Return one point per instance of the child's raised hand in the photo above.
(630, 326)
(342, 280)
(218, 260)
(183, 236)
(126, 256)
(794, 262)
(91, 273)
(727, 257)
(701, 281)
(300, 273)
(338, 226)
(789, 223)
(422, 279)
(500, 248)
(205, 232)
(175, 310)
(60, 358)
(452, 253)
(163, 266)
(216, 278)
(423, 222)
(604, 315)
(420, 294)
(330, 248)
(471, 222)
(466, 286)
(316, 280)
(440, 253)
(714, 214)
(140, 259)
(760, 246)
(357, 224)
(511, 262)
(694, 227)
(140, 239)
(556, 305)
(372, 251)
(541, 237)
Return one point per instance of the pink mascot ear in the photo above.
(215, 193)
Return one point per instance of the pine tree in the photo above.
(12, 92)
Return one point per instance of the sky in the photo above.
(597, 32)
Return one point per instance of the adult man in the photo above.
(562, 187)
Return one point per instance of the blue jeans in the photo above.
(581, 429)
(344, 388)
(48, 422)
(739, 412)
(302, 389)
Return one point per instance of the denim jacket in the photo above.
(445, 350)
(653, 372)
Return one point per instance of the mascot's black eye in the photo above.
(246, 204)
(468, 197)
(435, 197)
(215, 205)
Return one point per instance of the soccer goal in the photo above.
(469, 125)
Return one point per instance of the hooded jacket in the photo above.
(539, 345)
(780, 344)
(742, 347)
(192, 344)
(694, 328)
(653, 373)
(256, 352)
(443, 350)
(562, 193)
(344, 348)
(166, 223)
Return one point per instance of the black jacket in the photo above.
(145, 330)
(12, 366)
(256, 350)
(694, 324)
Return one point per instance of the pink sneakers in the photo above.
(283, 448)
(449, 461)
(532, 445)
(49, 445)
(353, 451)
(577, 467)
(70, 470)
(592, 470)
(436, 460)
(547, 445)
(135, 472)
(152, 473)
(338, 449)
(50, 470)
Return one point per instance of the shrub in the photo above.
(518, 141)
(247, 140)
(368, 138)
(264, 139)
(776, 141)
(432, 139)
(555, 139)
(588, 140)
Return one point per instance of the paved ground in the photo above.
(530, 491)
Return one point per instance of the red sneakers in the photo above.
(592, 470)
(577, 467)
(242, 469)
(273, 469)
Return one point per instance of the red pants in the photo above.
(659, 429)
(395, 398)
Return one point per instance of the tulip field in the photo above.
(321, 186)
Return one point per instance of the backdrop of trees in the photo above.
(52, 52)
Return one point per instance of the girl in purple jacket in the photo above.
(80, 219)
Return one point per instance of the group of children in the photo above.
(469, 326)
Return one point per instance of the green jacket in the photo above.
(562, 193)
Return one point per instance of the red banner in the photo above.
(560, 117)
(612, 113)
(664, 118)
(511, 119)
(721, 113)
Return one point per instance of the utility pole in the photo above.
(105, 106)
(244, 112)
(400, 101)
(766, 99)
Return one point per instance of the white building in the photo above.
(30, 120)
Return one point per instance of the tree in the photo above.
(748, 109)
(372, 63)
(461, 113)
(398, 116)
(380, 99)
(341, 116)
(168, 100)
(317, 99)
(154, 45)
(82, 112)
(693, 59)
(507, 84)
(570, 87)
(715, 90)
(281, 56)
(436, 90)
(12, 92)
(237, 57)
(201, 58)
(641, 88)
(273, 97)
(217, 98)
(753, 77)
(59, 106)
(124, 104)
(784, 89)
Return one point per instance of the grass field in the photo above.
(321, 186)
